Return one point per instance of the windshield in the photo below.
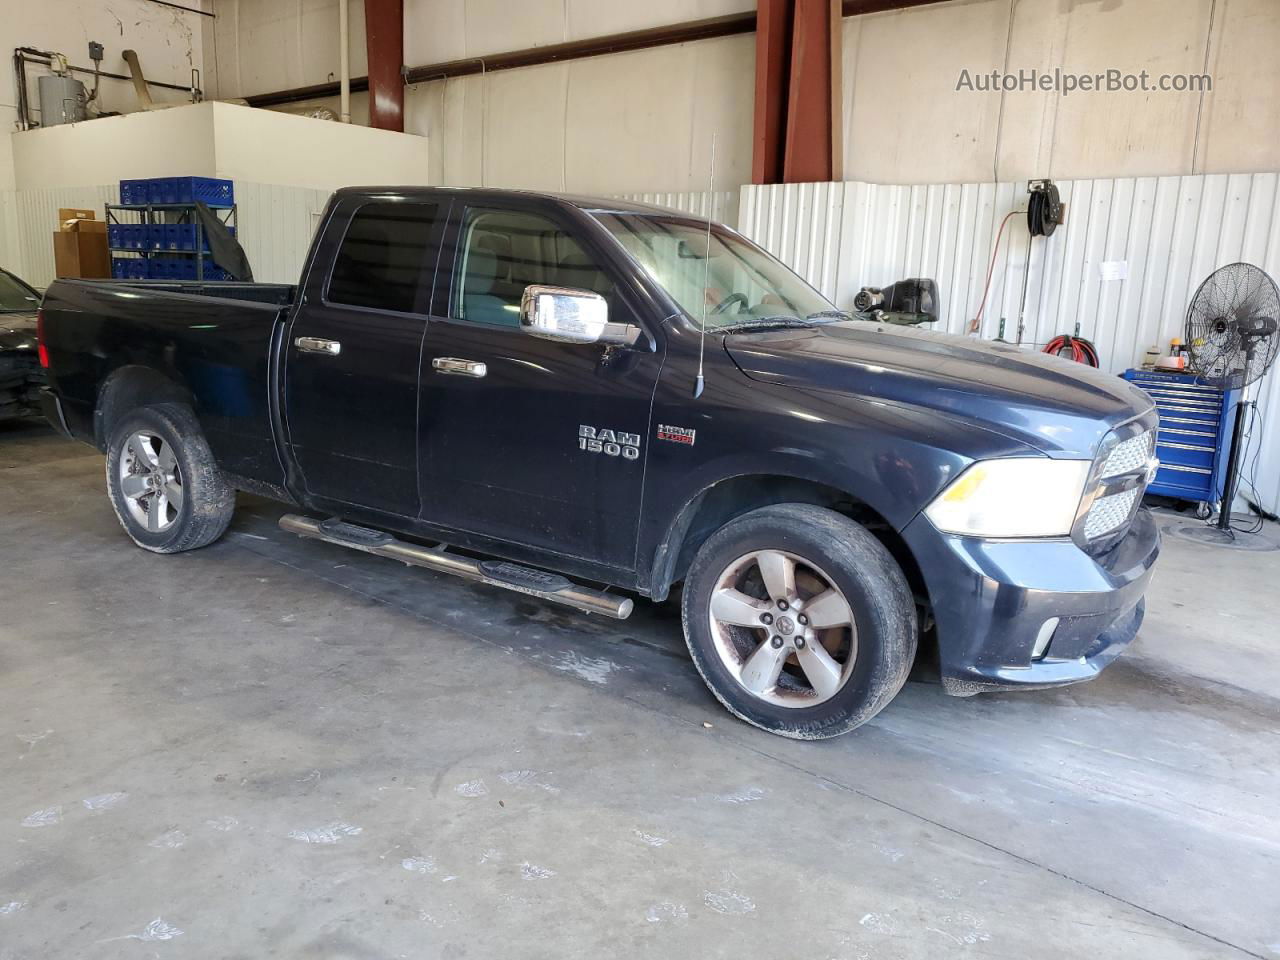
(16, 296)
(739, 285)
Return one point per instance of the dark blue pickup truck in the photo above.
(572, 397)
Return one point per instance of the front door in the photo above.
(527, 440)
(351, 381)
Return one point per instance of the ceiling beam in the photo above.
(725, 26)
(384, 44)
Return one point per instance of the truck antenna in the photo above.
(706, 268)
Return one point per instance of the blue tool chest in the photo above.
(1194, 441)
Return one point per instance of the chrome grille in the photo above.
(1129, 456)
(1109, 514)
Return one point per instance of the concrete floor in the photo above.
(274, 747)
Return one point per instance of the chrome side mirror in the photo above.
(571, 316)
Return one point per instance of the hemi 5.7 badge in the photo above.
(676, 434)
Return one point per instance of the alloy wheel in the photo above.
(151, 482)
(783, 629)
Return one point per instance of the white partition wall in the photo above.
(284, 168)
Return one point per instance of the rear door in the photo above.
(525, 440)
(351, 380)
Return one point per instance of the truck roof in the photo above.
(589, 203)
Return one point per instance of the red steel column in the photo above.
(812, 145)
(773, 63)
(384, 42)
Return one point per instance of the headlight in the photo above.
(1022, 497)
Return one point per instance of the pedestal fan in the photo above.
(1232, 336)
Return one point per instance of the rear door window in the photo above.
(383, 261)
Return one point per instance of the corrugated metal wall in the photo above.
(1122, 269)
(10, 251)
(35, 213)
(275, 227)
(722, 205)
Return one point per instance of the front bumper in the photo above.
(991, 599)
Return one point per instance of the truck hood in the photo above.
(17, 332)
(1056, 406)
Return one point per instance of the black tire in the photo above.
(873, 584)
(207, 500)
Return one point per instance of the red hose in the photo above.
(976, 323)
(1081, 350)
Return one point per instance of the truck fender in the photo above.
(129, 387)
(716, 503)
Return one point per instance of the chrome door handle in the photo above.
(459, 368)
(318, 345)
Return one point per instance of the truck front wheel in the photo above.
(164, 484)
(799, 620)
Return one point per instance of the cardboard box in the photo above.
(82, 252)
(66, 214)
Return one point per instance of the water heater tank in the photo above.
(62, 100)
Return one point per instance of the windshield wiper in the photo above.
(758, 323)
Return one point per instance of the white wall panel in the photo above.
(36, 216)
(10, 251)
(275, 226)
(722, 205)
(1170, 233)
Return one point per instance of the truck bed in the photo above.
(279, 294)
(216, 344)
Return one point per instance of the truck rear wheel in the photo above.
(164, 484)
(799, 620)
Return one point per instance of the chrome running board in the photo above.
(496, 573)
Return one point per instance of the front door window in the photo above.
(504, 251)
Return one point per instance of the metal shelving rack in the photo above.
(152, 214)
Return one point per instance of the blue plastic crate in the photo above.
(129, 268)
(184, 268)
(166, 236)
(168, 268)
(207, 190)
(127, 236)
(135, 193)
(182, 236)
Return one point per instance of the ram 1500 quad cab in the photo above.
(554, 394)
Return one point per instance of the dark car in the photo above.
(20, 374)
(627, 396)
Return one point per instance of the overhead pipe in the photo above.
(723, 26)
(344, 62)
(140, 81)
